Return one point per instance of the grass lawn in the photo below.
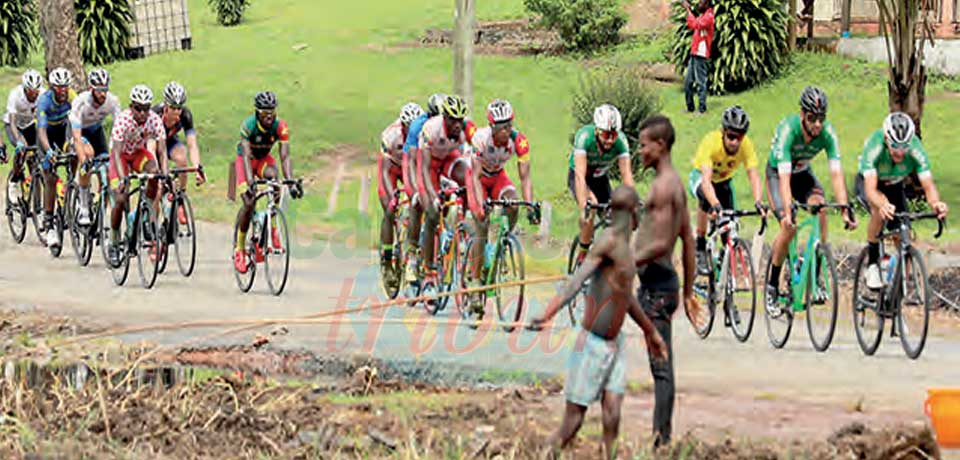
(349, 83)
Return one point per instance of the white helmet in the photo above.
(60, 77)
(141, 94)
(174, 94)
(410, 112)
(32, 79)
(899, 128)
(499, 111)
(607, 118)
(99, 78)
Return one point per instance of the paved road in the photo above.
(718, 366)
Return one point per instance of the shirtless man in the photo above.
(666, 221)
(596, 368)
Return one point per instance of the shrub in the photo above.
(229, 12)
(627, 88)
(749, 46)
(18, 22)
(103, 29)
(583, 25)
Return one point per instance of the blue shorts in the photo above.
(595, 365)
(172, 143)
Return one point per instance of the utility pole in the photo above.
(792, 27)
(845, 18)
(464, 20)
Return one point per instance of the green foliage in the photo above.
(103, 29)
(627, 89)
(583, 25)
(229, 12)
(18, 24)
(749, 46)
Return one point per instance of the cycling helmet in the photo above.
(60, 77)
(607, 118)
(265, 100)
(174, 94)
(410, 112)
(499, 111)
(454, 107)
(736, 119)
(813, 100)
(898, 127)
(99, 78)
(141, 94)
(434, 104)
(32, 79)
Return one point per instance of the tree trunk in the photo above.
(59, 29)
(464, 14)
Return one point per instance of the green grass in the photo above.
(349, 83)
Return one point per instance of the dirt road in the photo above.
(748, 388)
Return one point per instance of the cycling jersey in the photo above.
(51, 113)
(172, 127)
(493, 158)
(875, 160)
(433, 137)
(413, 134)
(788, 152)
(262, 139)
(19, 109)
(84, 115)
(392, 142)
(598, 162)
(134, 135)
(712, 153)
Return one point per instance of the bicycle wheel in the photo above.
(244, 280)
(148, 249)
(77, 235)
(465, 302)
(276, 259)
(106, 213)
(740, 288)
(779, 319)
(35, 203)
(575, 306)
(705, 289)
(913, 316)
(464, 235)
(391, 271)
(822, 298)
(120, 271)
(509, 268)
(450, 263)
(185, 237)
(57, 222)
(867, 306)
(16, 215)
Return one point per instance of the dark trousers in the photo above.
(696, 75)
(659, 306)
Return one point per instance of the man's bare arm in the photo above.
(638, 316)
(286, 162)
(590, 264)
(689, 254)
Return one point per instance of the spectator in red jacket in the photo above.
(697, 68)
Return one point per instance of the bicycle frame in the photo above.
(891, 294)
(798, 285)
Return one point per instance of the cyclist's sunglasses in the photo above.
(142, 108)
(101, 89)
(608, 136)
(815, 117)
(502, 125)
(734, 136)
(899, 145)
(266, 111)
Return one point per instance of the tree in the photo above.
(61, 48)
(900, 23)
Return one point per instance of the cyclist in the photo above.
(131, 152)
(390, 171)
(53, 110)
(797, 140)
(19, 122)
(88, 112)
(889, 155)
(595, 148)
(711, 180)
(441, 142)
(493, 147)
(176, 117)
(258, 134)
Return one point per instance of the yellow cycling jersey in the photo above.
(711, 153)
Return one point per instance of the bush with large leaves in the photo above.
(627, 88)
(749, 46)
(583, 25)
(229, 12)
(18, 24)
(103, 29)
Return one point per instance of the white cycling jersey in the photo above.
(20, 111)
(84, 115)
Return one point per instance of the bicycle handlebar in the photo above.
(816, 208)
(739, 213)
(589, 205)
(915, 216)
(277, 183)
(507, 203)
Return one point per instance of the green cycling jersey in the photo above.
(598, 162)
(789, 151)
(876, 160)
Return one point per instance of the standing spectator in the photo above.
(703, 28)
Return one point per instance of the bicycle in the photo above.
(730, 268)
(391, 273)
(893, 301)
(29, 202)
(806, 287)
(182, 235)
(448, 247)
(138, 234)
(503, 262)
(259, 247)
(84, 237)
(601, 220)
(62, 214)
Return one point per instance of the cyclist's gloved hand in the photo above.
(715, 211)
(533, 215)
(849, 218)
(296, 191)
(761, 208)
(201, 176)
